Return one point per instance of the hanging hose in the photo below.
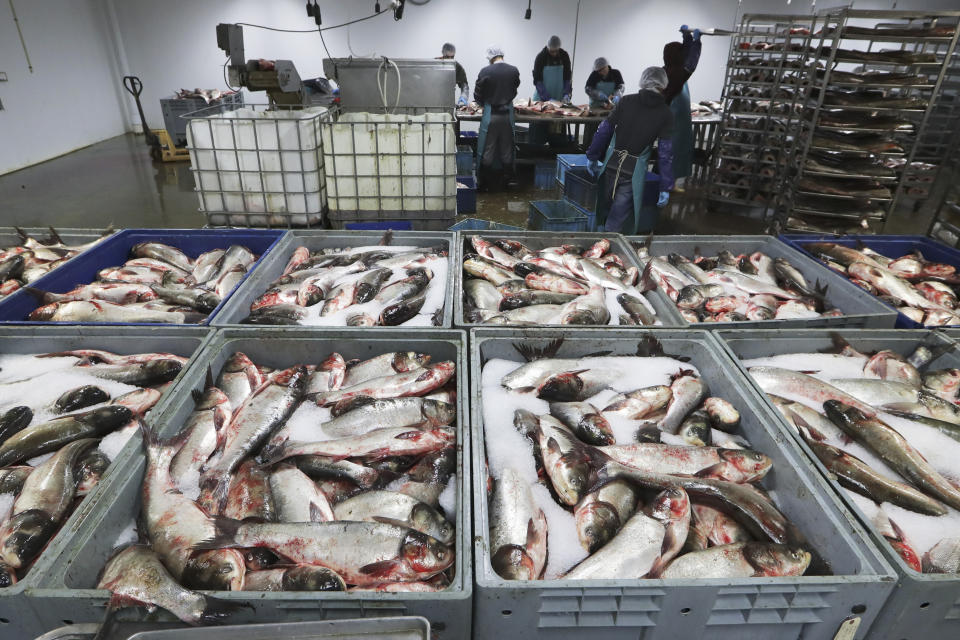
(382, 86)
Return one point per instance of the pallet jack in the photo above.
(159, 141)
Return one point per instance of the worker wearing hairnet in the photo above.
(448, 52)
(680, 61)
(495, 89)
(624, 139)
(604, 88)
(552, 73)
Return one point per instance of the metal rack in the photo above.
(764, 86)
(882, 91)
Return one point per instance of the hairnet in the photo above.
(553, 42)
(493, 51)
(448, 49)
(653, 78)
(600, 63)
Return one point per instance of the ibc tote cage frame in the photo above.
(291, 206)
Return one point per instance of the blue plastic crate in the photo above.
(557, 215)
(114, 251)
(567, 160)
(475, 224)
(890, 246)
(466, 196)
(580, 188)
(464, 160)
(543, 173)
(382, 225)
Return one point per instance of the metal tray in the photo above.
(799, 607)
(115, 250)
(17, 614)
(666, 311)
(238, 306)
(66, 590)
(921, 605)
(861, 309)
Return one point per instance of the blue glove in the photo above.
(696, 35)
(566, 98)
(615, 99)
(663, 199)
(593, 168)
(683, 28)
(462, 101)
(541, 91)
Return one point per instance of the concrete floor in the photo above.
(116, 182)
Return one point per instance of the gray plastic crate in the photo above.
(923, 606)
(798, 607)
(18, 617)
(10, 238)
(404, 628)
(238, 307)
(67, 589)
(174, 108)
(860, 308)
(665, 309)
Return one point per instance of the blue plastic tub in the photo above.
(580, 188)
(890, 246)
(567, 160)
(558, 215)
(114, 251)
(466, 196)
(543, 175)
(475, 224)
(464, 160)
(393, 225)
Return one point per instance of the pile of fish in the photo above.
(731, 288)
(34, 258)
(331, 477)
(364, 286)
(158, 284)
(63, 419)
(887, 428)
(506, 282)
(624, 467)
(555, 108)
(924, 291)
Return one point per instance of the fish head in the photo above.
(294, 377)
(690, 297)
(511, 562)
(864, 271)
(163, 370)
(776, 559)
(523, 269)
(596, 424)
(425, 518)
(211, 398)
(569, 469)
(24, 536)
(842, 414)
(579, 317)
(657, 396)
(139, 401)
(721, 303)
(749, 465)
(238, 362)
(888, 365)
(8, 576)
(361, 320)
(597, 523)
(670, 505)
(562, 387)
(312, 578)
(309, 294)
(215, 570)
(44, 312)
(426, 554)
(259, 558)
(439, 413)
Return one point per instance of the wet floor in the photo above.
(116, 182)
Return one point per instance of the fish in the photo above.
(640, 403)
(220, 570)
(687, 391)
(384, 365)
(362, 553)
(80, 398)
(717, 527)
(739, 560)
(163, 253)
(636, 309)
(528, 297)
(102, 311)
(695, 430)
(482, 294)
(52, 435)
(199, 299)
(585, 421)
(602, 512)
(893, 449)
(369, 414)
(135, 575)
(375, 444)
(14, 421)
(734, 465)
(238, 379)
(785, 382)
(577, 385)
(395, 508)
(88, 470)
(896, 539)
(328, 376)
(722, 415)
(427, 479)
(250, 495)
(145, 374)
(297, 498)
(303, 577)
(414, 382)
(943, 557)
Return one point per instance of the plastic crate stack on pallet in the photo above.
(923, 604)
(764, 89)
(879, 120)
(174, 107)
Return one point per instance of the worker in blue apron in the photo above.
(604, 88)
(553, 79)
(680, 61)
(495, 90)
(624, 141)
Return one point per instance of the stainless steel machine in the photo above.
(414, 85)
(279, 78)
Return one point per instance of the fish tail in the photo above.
(647, 282)
(547, 351)
(224, 535)
(215, 609)
(54, 236)
(23, 234)
(43, 296)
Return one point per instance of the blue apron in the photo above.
(553, 83)
(682, 134)
(482, 134)
(605, 192)
(607, 88)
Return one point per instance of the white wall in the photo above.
(71, 99)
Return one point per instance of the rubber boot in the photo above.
(511, 177)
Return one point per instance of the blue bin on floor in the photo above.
(464, 160)
(568, 160)
(467, 195)
(475, 224)
(115, 250)
(890, 246)
(543, 173)
(558, 215)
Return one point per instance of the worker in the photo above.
(552, 73)
(604, 88)
(680, 61)
(448, 52)
(637, 121)
(495, 89)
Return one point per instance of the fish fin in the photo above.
(197, 395)
(409, 435)
(391, 521)
(840, 344)
(647, 281)
(437, 318)
(597, 354)
(531, 353)
(386, 239)
(225, 532)
(382, 569)
(713, 471)
(649, 346)
(316, 513)
(553, 447)
(216, 608)
(43, 296)
(349, 404)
